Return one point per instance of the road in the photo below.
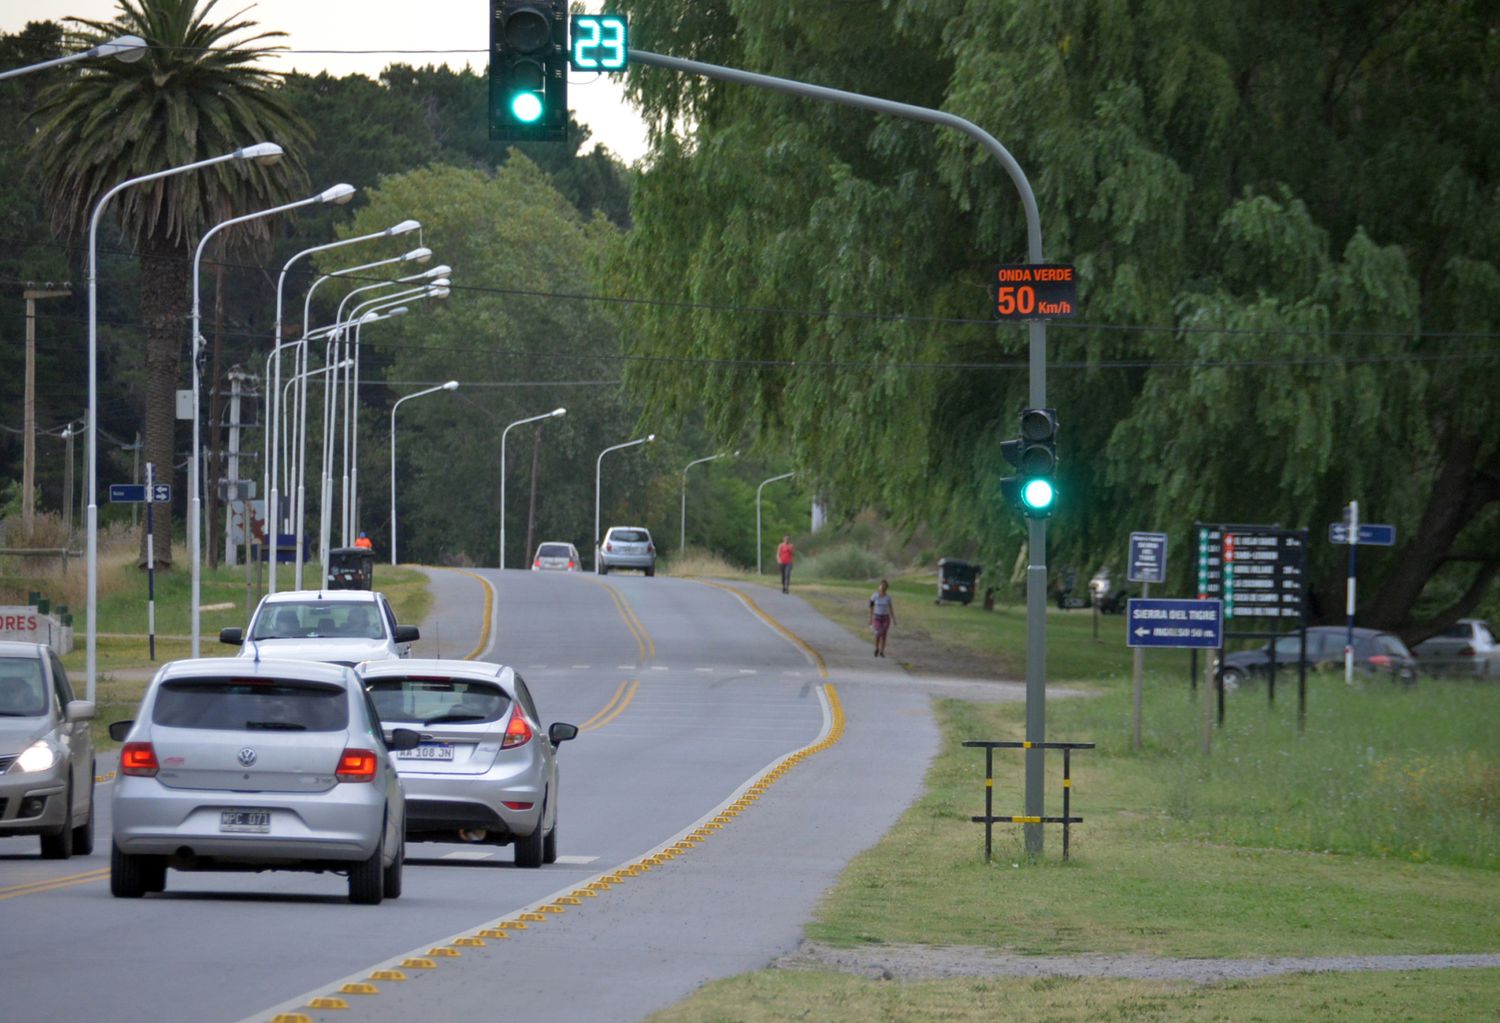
(736, 751)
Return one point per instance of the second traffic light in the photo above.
(529, 70)
(1034, 454)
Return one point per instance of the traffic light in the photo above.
(529, 70)
(1034, 454)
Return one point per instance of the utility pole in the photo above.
(236, 375)
(28, 429)
(68, 487)
(536, 464)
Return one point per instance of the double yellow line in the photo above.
(36, 887)
(645, 646)
(790, 636)
(616, 705)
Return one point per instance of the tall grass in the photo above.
(695, 562)
(849, 561)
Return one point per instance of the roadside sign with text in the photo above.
(1258, 571)
(1174, 623)
(1148, 558)
(135, 493)
(1035, 291)
(1369, 534)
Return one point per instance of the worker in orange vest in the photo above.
(364, 541)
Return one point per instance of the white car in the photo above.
(627, 547)
(344, 627)
(555, 556)
(1467, 647)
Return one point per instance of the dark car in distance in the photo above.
(1375, 653)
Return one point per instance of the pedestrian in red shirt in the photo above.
(784, 555)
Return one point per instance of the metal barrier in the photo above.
(989, 820)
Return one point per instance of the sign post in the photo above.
(147, 493)
(1148, 564)
(1351, 532)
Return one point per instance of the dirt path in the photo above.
(930, 962)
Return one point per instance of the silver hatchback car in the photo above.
(46, 755)
(264, 765)
(627, 547)
(483, 773)
(340, 626)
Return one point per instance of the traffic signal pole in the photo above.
(1036, 571)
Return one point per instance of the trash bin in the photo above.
(351, 568)
(956, 580)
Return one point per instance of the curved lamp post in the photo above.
(682, 516)
(451, 385)
(265, 153)
(519, 422)
(338, 194)
(128, 49)
(597, 463)
(758, 541)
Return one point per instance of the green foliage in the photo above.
(845, 561)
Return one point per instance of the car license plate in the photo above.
(432, 751)
(257, 822)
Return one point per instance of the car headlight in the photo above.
(39, 756)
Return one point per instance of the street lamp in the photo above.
(271, 437)
(597, 463)
(338, 195)
(758, 542)
(682, 517)
(128, 49)
(451, 385)
(262, 152)
(545, 415)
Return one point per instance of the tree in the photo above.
(198, 92)
(1283, 220)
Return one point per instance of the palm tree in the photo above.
(198, 92)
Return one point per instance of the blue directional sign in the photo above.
(1148, 558)
(1174, 623)
(135, 493)
(1369, 534)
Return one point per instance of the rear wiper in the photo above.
(452, 718)
(277, 726)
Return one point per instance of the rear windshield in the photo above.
(23, 690)
(553, 550)
(318, 620)
(251, 705)
(433, 701)
(1457, 632)
(629, 535)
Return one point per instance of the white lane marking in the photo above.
(295, 1004)
(704, 670)
(466, 854)
(576, 861)
(624, 667)
(747, 671)
(582, 667)
(660, 667)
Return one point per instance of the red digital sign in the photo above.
(1035, 291)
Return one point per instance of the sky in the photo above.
(386, 26)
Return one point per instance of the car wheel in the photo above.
(393, 873)
(60, 845)
(651, 570)
(603, 569)
(549, 845)
(130, 877)
(367, 877)
(531, 850)
(1232, 678)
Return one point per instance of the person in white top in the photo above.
(882, 616)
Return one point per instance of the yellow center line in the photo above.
(791, 636)
(489, 609)
(593, 726)
(645, 646)
(36, 887)
(606, 708)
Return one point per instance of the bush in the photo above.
(695, 561)
(845, 561)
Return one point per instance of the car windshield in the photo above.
(432, 701)
(23, 690)
(1459, 631)
(553, 550)
(318, 619)
(629, 535)
(251, 705)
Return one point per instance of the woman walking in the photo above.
(882, 616)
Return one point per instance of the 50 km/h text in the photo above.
(1035, 291)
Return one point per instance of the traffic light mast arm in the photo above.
(1036, 572)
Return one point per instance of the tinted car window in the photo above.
(553, 550)
(23, 690)
(1391, 645)
(527, 704)
(318, 620)
(231, 705)
(629, 535)
(1460, 631)
(437, 700)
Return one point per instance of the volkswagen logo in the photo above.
(247, 756)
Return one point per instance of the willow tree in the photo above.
(200, 91)
(1283, 219)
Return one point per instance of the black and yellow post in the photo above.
(989, 820)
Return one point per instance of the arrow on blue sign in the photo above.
(1174, 623)
(1370, 534)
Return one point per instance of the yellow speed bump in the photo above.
(568, 900)
(584, 893)
(550, 909)
(535, 918)
(511, 925)
(469, 942)
(494, 932)
(291, 1017)
(387, 975)
(615, 878)
(359, 988)
(600, 886)
(328, 1003)
(444, 952)
(419, 964)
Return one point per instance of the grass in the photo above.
(772, 996)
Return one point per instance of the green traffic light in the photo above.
(1038, 494)
(527, 107)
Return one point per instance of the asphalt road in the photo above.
(690, 696)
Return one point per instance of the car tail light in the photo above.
(138, 759)
(517, 806)
(571, 566)
(537, 563)
(608, 546)
(651, 548)
(1467, 651)
(517, 731)
(1380, 660)
(356, 765)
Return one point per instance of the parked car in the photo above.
(1375, 652)
(627, 547)
(341, 626)
(554, 555)
(484, 772)
(1468, 647)
(265, 765)
(46, 754)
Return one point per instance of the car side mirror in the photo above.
(119, 729)
(403, 738)
(78, 710)
(561, 731)
(408, 634)
(234, 637)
